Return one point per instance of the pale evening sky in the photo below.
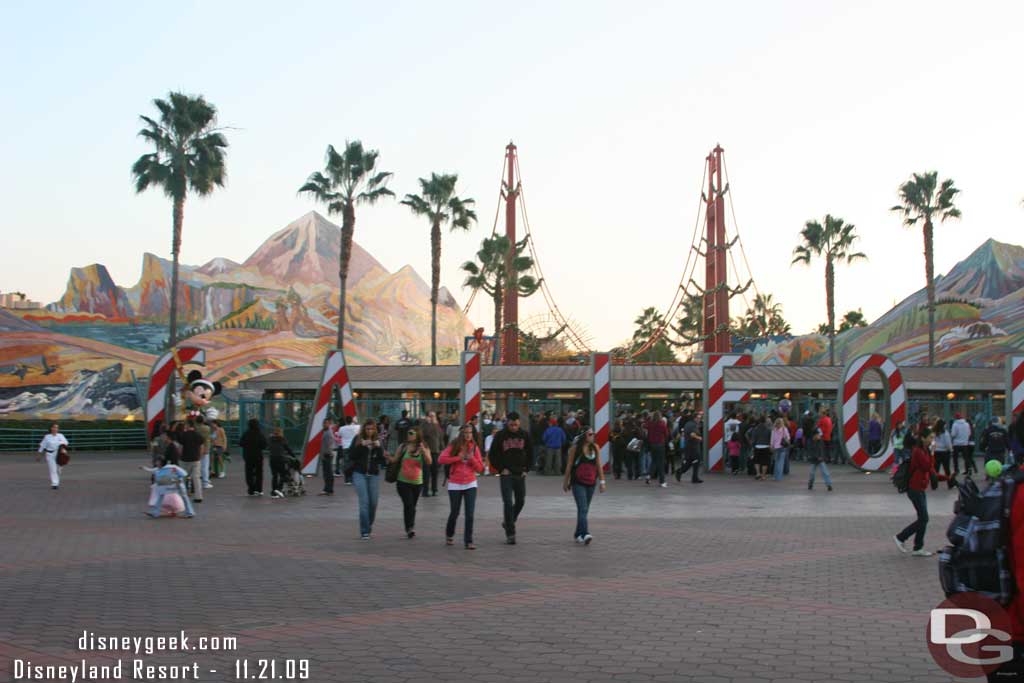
(821, 107)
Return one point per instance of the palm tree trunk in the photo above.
(172, 334)
(435, 285)
(929, 272)
(830, 302)
(348, 228)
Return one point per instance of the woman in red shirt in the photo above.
(922, 468)
(464, 461)
(657, 438)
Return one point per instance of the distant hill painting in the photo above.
(979, 319)
(277, 309)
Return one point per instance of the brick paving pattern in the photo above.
(727, 582)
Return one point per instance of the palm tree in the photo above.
(647, 325)
(764, 318)
(689, 325)
(491, 276)
(834, 240)
(349, 178)
(919, 201)
(853, 319)
(438, 202)
(188, 156)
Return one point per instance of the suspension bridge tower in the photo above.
(716, 288)
(510, 191)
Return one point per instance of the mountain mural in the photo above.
(276, 309)
(979, 318)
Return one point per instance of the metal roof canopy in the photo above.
(625, 377)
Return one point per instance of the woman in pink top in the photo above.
(780, 446)
(463, 456)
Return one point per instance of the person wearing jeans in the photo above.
(582, 475)
(510, 456)
(780, 445)
(464, 462)
(657, 437)
(816, 458)
(366, 457)
(922, 468)
(327, 458)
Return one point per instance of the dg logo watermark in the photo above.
(969, 636)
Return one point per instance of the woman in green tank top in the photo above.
(414, 457)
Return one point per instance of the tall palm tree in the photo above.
(349, 178)
(491, 275)
(439, 203)
(647, 325)
(188, 156)
(923, 198)
(764, 317)
(834, 240)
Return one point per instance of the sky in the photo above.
(821, 107)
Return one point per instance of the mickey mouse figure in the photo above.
(200, 393)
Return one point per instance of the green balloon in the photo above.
(994, 468)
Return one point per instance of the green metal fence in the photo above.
(15, 439)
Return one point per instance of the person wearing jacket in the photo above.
(657, 441)
(278, 447)
(779, 445)
(922, 468)
(995, 442)
(761, 440)
(253, 444)
(874, 434)
(960, 435)
(462, 457)
(1014, 669)
(510, 456)
(582, 475)
(554, 438)
(366, 457)
(942, 448)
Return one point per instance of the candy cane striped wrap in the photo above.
(715, 398)
(334, 378)
(894, 393)
(160, 377)
(1014, 387)
(469, 391)
(600, 402)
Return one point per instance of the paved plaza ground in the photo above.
(733, 580)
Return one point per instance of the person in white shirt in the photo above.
(960, 435)
(50, 444)
(347, 433)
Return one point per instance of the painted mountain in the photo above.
(979, 318)
(276, 309)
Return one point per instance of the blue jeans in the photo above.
(918, 526)
(656, 466)
(645, 463)
(582, 494)
(455, 500)
(780, 462)
(206, 469)
(824, 472)
(367, 488)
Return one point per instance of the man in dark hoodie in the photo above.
(510, 454)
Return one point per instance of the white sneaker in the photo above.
(899, 544)
(578, 539)
(221, 475)
(664, 486)
(587, 539)
(277, 494)
(207, 485)
(922, 553)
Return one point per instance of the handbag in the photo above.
(634, 445)
(63, 458)
(393, 468)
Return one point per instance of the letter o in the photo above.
(894, 395)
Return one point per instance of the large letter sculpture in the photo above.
(1014, 387)
(334, 379)
(715, 398)
(160, 376)
(600, 402)
(894, 395)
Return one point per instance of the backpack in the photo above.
(978, 561)
(901, 477)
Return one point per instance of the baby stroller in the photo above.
(293, 486)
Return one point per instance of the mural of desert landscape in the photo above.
(276, 309)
